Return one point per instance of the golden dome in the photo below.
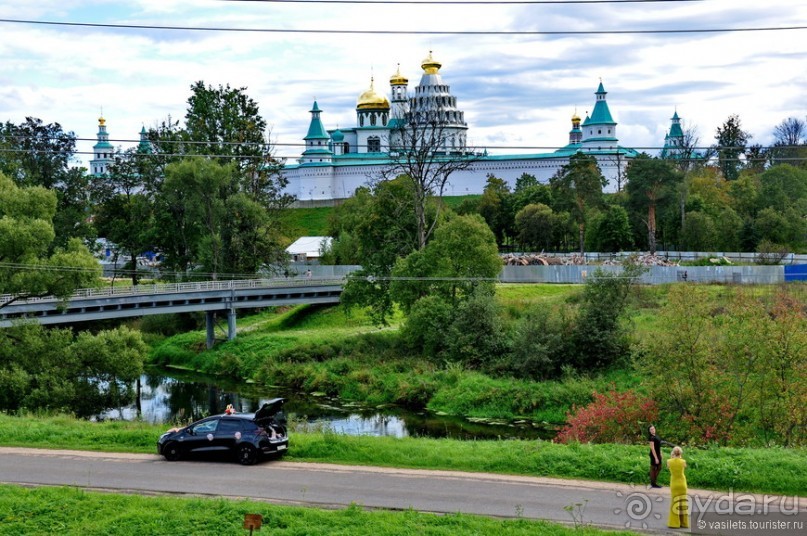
(398, 79)
(430, 65)
(101, 121)
(575, 117)
(371, 99)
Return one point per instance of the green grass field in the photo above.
(70, 511)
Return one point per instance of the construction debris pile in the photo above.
(644, 260)
(542, 259)
(575, 259)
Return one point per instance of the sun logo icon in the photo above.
(639, 508)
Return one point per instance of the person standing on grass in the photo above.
(679, 507)
(655, 457)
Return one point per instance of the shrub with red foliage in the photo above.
(612, 417)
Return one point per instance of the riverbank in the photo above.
(769, 470)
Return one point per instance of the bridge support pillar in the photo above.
(231, 324)
(210, 325)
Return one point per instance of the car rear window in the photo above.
(249, 426)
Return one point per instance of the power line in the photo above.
(302, 144)
(376, 158)
(463, 2)
(404, 32)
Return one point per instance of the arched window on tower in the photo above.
(373, 144)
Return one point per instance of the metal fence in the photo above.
(733, 256)
(654, 276)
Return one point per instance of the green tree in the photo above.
(729, 367)
(610, 230)
(37, 153)
(699, 232)
(374, 228)
(728, 226)
(493, 207)
(783, 186)
(74, 209)
(191, 214)
(651, 181)
(786, 228)
(731, 143)
(222, 124)
(203, 219)
(26, 235)
(536, 226)
(55, 370)
(461, 257)
(577, 187)
(447, 291)
(124, 197)
(744, 193)
(600, 337)
(528, 191)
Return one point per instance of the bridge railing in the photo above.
(194, 286)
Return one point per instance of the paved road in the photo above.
(324, 485)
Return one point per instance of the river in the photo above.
(170, 398)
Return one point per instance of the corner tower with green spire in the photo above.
(317, 141)
(674, 140)
(599, 129)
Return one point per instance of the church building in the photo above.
(336, 162)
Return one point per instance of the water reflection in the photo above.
(178, 398)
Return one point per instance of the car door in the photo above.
(228, 434)
(201, 436)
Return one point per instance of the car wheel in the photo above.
(247, 455)
(171, 452)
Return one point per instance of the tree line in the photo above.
(732, 197)
(209, 215)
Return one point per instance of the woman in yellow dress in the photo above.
(679, 507)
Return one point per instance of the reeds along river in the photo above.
(171, 398)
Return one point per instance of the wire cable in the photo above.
(463, 2)
(404, 32)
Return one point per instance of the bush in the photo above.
(611, 418)
(475, 336)
(600, 339)
(425, 328)
(540, 343)
(769, 253)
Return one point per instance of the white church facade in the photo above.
(336, 162)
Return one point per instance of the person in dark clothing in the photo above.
(655, 456)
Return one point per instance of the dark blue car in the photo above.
(243, 436)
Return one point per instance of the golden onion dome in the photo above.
(398, 79)
(101, 121)
(370, 99)
(575, 117)
(430, 65)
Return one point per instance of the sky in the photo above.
(518, 90)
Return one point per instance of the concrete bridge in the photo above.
(210, 297)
